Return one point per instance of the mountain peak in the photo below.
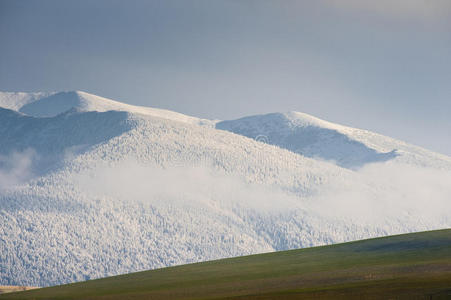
(303, 119)
(310, 136)
(52, 104)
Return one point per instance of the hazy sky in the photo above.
(380, 65)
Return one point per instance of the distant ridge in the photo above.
(16, 100)
(52, 104)
(309, 136)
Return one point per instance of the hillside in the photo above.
(345, 146)
(104, 188)
(52, 104)
(412, 266)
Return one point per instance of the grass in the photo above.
(12, 288)
(410, 266)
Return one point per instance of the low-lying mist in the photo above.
(16, 168)
(383, 191)
(378, 193)
(375, 195)
(193, 185)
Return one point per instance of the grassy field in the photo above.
(14, 288)
(411, 266)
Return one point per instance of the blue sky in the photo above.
(380, 65)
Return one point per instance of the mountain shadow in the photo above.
(308, 140)
(54, 138)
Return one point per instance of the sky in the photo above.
(380, 65)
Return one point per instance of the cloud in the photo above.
(16, 168)
(377, 195)
(384, 191)
(197, 186)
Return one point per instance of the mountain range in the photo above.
(92, 187)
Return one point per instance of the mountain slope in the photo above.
(66, 130)
(412, 266)
(97, 193)
(316, 138)
(43, 105)
(15, 101)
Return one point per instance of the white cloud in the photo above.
(16, 168)
(194, 186)
(378, 193)
(384, 191)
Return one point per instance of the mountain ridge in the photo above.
(292, 119)
(100, 193)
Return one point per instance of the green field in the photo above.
(410, 266)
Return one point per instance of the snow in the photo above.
(312, 137)
(57, 103)
(15, 101)
(91, 187)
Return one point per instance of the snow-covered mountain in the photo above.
(52, 104)
(312, 137)
(91, 187)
